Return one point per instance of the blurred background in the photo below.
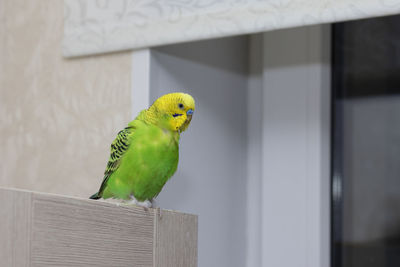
(292, 156)
(57, 116)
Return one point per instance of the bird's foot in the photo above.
(132, 201)
(145, 204)
(115, 201)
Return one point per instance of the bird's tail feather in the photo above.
(95, 196)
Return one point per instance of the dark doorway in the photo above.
(366, 143)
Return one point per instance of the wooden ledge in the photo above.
(38, 229)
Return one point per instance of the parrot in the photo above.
(145, 154)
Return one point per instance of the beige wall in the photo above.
(57, 116)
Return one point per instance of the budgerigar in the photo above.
(145, 154)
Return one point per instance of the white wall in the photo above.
(254, 163)
(211, 177)
(296, 141)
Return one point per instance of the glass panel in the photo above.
(366, 143)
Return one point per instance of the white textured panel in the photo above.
(103, 26)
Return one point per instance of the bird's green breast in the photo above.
(151, 159)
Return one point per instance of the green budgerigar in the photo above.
(145, 154)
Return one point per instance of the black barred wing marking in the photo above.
(118, 148)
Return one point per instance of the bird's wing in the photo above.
(118, 148)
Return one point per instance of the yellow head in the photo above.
(178, 107)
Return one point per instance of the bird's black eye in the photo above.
(180, 105)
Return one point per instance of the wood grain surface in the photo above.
(174, 247)
(15, 228)
(49, 230)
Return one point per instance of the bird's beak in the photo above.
(189, 119)
(186, 123)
